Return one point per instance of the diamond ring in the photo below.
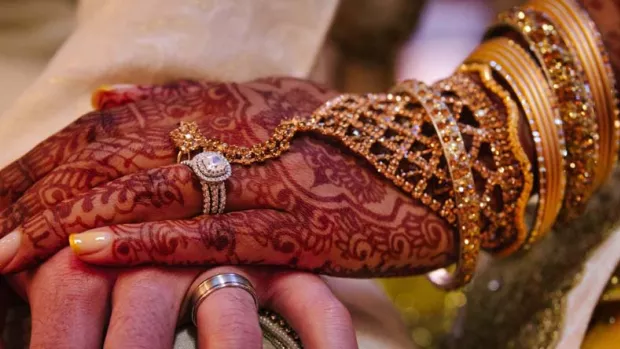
(212, 169)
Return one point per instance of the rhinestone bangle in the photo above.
(566, 77)
(459, 166)
(521, 73)
(511, 170)
(582, 33)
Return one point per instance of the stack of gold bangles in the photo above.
(457, 147)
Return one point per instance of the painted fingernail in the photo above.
(105, 92)
(8, 247)
(90, 242)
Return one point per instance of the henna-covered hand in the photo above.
(316, 208)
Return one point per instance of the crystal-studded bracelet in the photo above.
(459, 165)
(497, 156)
(586, 41)
(537, 102)
(565, 76)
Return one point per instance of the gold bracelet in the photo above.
(503, 228)
(582, 33)
(459, 166)
(565, 75)
(521, 73)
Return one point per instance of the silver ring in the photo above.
(218, 282)
(212, 169)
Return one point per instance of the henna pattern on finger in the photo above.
(165, 108)
(350, 247)
(19, 175)
(113, 96)
(104, 137)
(98, 163)
(166, 193)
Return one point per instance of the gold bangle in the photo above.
(566, 77)
(507, 231)
(465, 197)
(581, 31)
(521, 73)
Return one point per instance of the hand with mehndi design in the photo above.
(112, 177)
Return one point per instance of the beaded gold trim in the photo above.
(459, 166)
(538, 103)
(568, 81)
(582, 33)
(277, 331)
(511, 169)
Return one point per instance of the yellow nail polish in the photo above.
(96, 96)
(8, 247)
(89, 242)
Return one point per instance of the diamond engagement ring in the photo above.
(212, 169)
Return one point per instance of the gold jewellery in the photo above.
(566, 78)
(459, 165)
(538, 104)
(499, 163)
(455, 146)
(588, 47)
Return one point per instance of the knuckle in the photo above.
(137, 328)
(63, 278)
(144, 186)
(331, 308)
(148, 285)
(309, 294)
(335, 317)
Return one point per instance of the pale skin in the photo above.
(34, 192)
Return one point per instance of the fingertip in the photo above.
(9, 245)
(110, 93)
(98, 95)
(90, 242)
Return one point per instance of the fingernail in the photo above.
(99, 94)
(8, 247)
(90, 242)
(115, 87)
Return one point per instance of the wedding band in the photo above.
(212, 169)
(218, 282)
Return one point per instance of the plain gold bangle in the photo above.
(521, 73)
(578, 27)
(522, 163)
(567, 80)
(459, 165)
